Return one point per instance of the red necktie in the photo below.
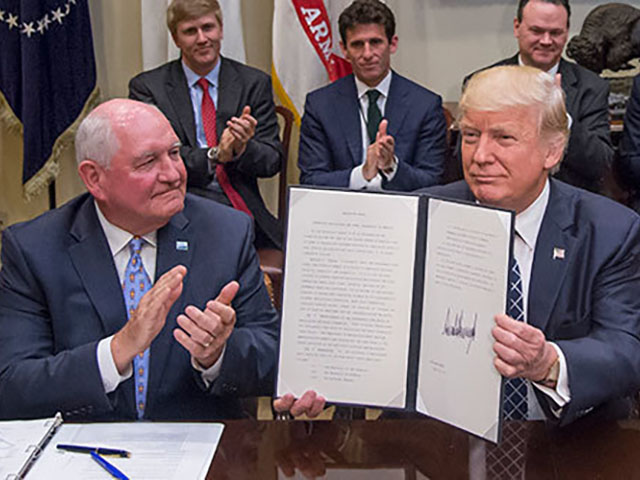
(209, 124)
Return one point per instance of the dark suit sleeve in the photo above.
(630, 146)
(589, 153)
(604, 362)
(315, 158)
(427, 151)
(263, 156)
(250, 357)
(35, 379)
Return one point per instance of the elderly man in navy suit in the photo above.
(375, 129)
(133, 300)
(578, 349)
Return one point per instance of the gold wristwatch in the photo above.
(551, 378)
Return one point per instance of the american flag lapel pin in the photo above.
(182, 245)
(558, 253)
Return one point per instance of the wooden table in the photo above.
(417, 449)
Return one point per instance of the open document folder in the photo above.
(389, 300)
(158, 450)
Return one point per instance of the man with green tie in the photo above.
(374, 129)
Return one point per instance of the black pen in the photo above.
(98, 450)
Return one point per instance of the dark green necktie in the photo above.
(374, 116)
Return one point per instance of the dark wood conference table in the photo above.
(417, 449)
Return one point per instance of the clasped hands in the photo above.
(236, 135)
(380, 154)
(202, 332)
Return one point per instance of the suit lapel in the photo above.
(229, 95)
(554, 240)
(512, 60)
(178, 92)
(175, 247)
(569, 83)
(93, 261)
(348, 115)
(397, 107)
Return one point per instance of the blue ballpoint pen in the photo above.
(108, 467)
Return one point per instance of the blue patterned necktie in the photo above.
(515, 398)
(136, 283)
(508, 460)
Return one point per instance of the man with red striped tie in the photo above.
(223, 113)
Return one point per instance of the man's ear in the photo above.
(343, 49)
(393, 45)
(516, 26)
(92, 174)
(554, 154)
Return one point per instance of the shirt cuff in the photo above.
(107, 366)
(210, 374)
(561, 395)
(391, 172)
(358, 182)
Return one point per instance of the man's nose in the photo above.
(201, 37)
(171, 170)
(483, 152)
(546, 38)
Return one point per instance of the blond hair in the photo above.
(181, 10)
(500, 88)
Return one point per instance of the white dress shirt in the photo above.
(527, 227)
(118, 240)
(357, 180)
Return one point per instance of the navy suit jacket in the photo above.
(331, 135)
(589, 153)
(630, 146)
(589, 302)
(60, 294)
(240, 85)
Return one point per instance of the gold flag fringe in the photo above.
(50, 169)
(8, 117)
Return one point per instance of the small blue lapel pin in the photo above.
(182, 245)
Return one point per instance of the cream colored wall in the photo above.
(440, 42)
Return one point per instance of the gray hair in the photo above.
(96, 137)
(96, 140)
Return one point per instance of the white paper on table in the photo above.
(466, 275)
(158, 450)
(20, 440)
(347, 296)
